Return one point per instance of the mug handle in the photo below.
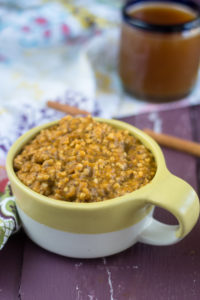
(180, 199)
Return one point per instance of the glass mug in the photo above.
(159, 49)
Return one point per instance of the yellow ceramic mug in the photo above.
(88, 230)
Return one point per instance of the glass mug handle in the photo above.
(180, 199)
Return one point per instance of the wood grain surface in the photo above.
(142, 272)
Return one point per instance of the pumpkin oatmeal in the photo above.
(82, 160)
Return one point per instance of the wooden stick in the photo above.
(71, 110)
(174, 142)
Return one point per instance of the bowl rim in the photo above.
(140, 193)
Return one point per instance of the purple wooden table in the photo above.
(142, 272)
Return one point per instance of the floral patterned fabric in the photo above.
(9, 221)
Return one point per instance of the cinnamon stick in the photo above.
(71, 110)
(174, 142)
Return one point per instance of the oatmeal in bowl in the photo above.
(87, 187)
(83, 160)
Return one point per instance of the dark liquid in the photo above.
(159, 67)
(163, 14)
